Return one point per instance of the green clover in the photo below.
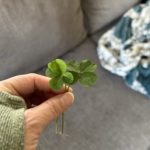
(62, 73)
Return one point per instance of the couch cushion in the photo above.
(108, 116)
(96, 36)
(32, 32)
(100, 12)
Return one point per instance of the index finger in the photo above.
(24, 85)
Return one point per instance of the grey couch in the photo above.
(108, 116)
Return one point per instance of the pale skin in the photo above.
(48, 105)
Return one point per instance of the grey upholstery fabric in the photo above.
(98, 13)
(108, 116)
(34, 31)
(95, 37)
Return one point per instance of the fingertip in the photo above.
(70, 89)
(70, 96)
(63, 90)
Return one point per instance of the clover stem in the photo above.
(63, 114)
(67, 88)
(62, 124)
(56, 125)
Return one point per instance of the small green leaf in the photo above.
(62, 65)
(56, 83)
(57, 67)
(68, 77)
(73, 66)
(54, 68)
(88, 78)
(49, 73)
(75, 77)
(87, 66)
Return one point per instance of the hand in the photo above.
(48, 104)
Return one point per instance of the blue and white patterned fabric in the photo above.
(125, 49)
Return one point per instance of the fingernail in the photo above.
(68, 96)
(70, 89)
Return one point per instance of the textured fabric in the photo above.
(124, 50)
(108, 116)
(34, 31)
(99, 13)
(11, 122)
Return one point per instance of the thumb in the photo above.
(52, 108)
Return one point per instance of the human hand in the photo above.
(48, 104)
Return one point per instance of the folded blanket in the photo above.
(125, 49)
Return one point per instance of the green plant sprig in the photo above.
(69, 73)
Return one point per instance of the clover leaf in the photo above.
(68, 78)
(49, 73)
(87, 79)
(62, 65)
(56, 68)
(56, 83)
(75, 77)
(87, 66)
(73, 66)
